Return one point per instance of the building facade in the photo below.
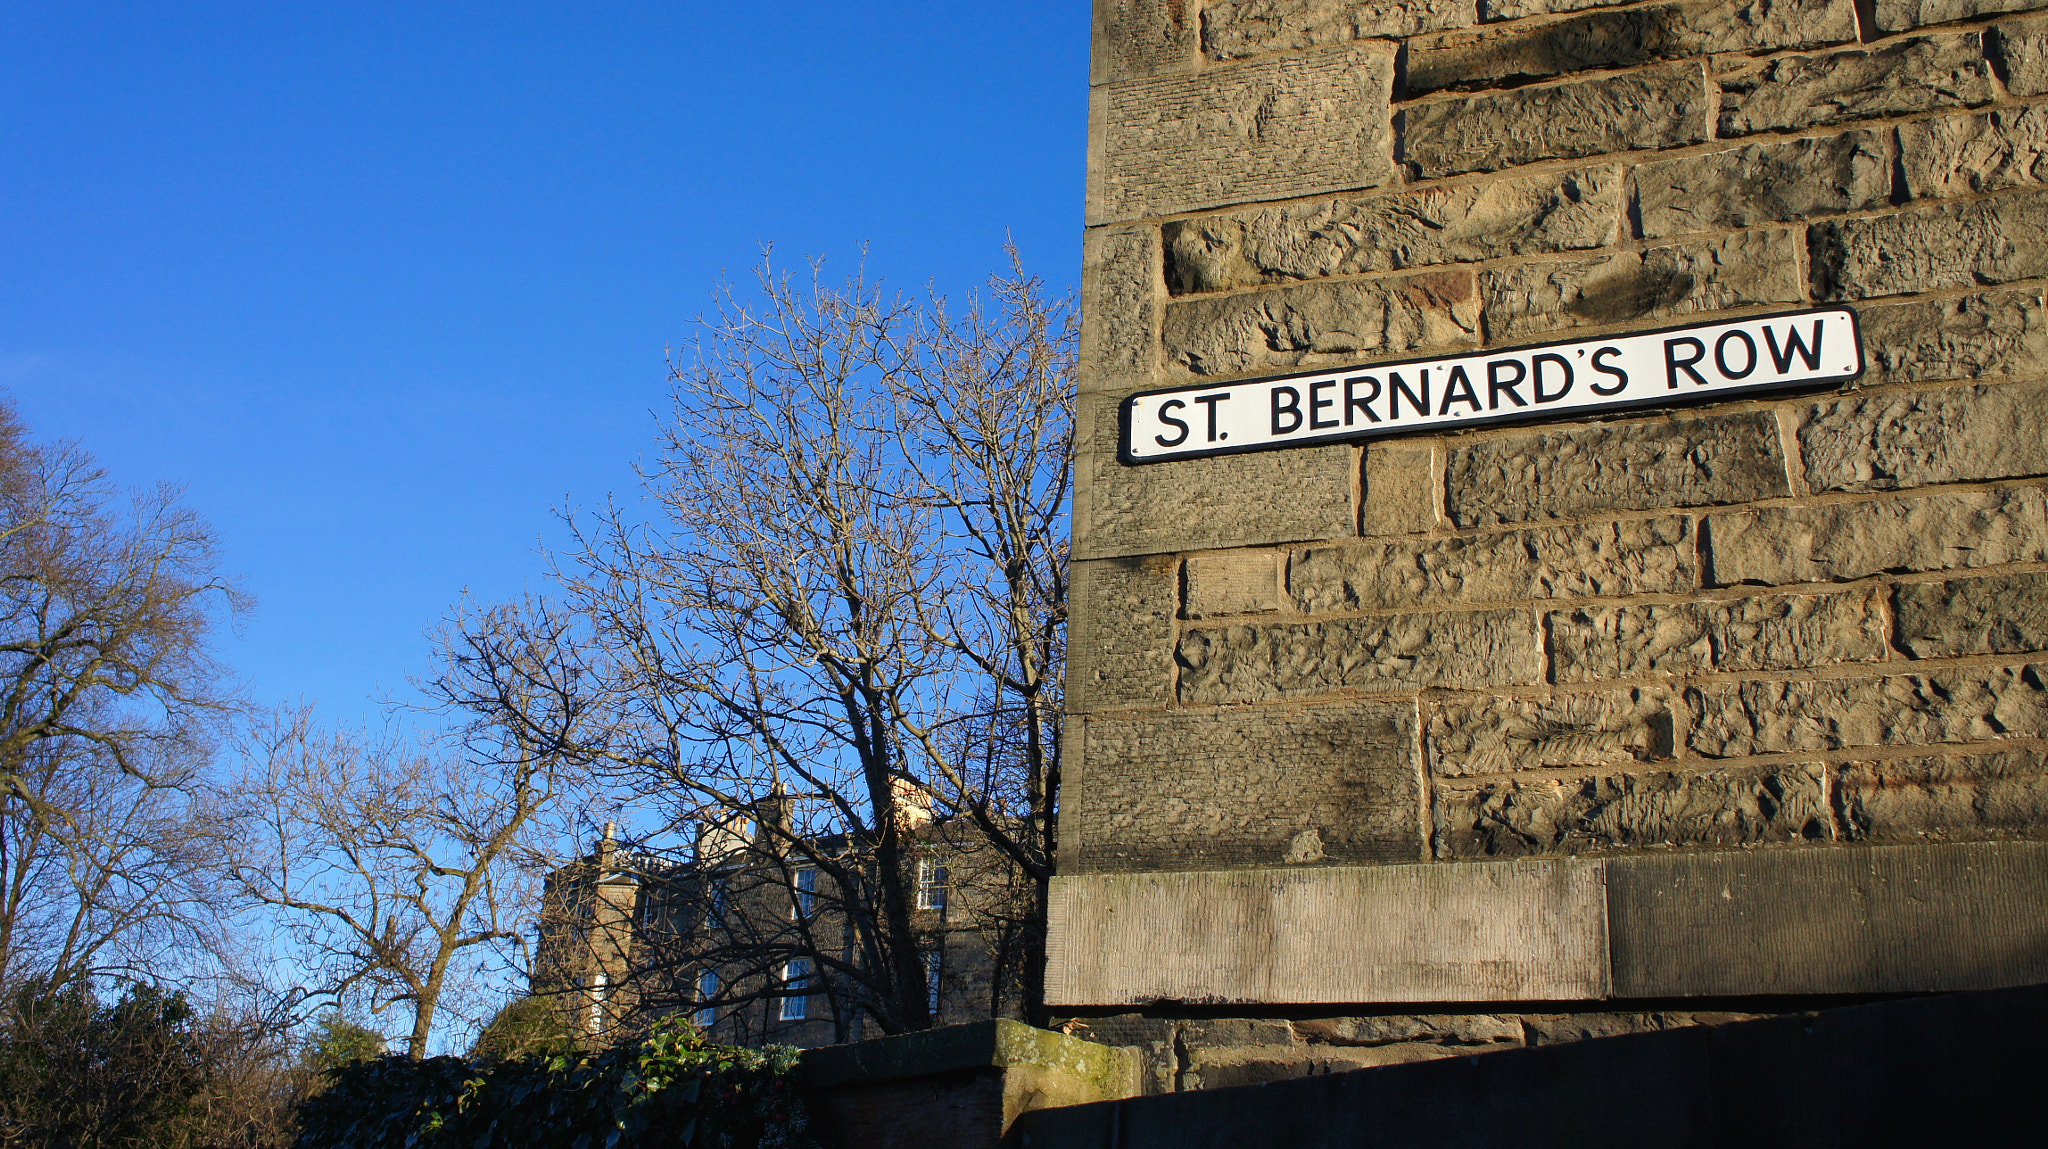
(1433, 740)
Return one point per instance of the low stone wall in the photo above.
(960, 1085)
(1953, 1070)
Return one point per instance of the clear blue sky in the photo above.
(383, 284)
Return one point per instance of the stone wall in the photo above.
(1811, 620)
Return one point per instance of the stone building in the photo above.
(1455, 740)
(731, 938)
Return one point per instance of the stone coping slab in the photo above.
(1794, 920)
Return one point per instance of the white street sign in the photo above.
(1643, 369)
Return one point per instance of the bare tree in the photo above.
(108, 702)
(401, 866)
(838, 613)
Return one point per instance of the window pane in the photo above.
(797, 976)
(707, 988)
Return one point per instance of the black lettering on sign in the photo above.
(1316, 422)
(1353, 403)
(1210, 402)
(1564, 365)
(1421, 402)
(1721, 354)
(1164, 417)
(1673, 364)
(1291, 408)
(1782, 360)
(1620, 376)
(1458, 390)
(1495, 384)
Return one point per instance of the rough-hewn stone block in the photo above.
(1118, 310)
(1958, 434)
(1499, 735)
(1996, 333)
(1515, 817)
(1557, 211)
(1401, 489)
(1120, 638)
(1623, 38)
(1739, 270)
(1656, 108)
(1317, 323)
(1185, 790)
(1605, 467)
(1899, 15)
(1965, 798)
(1642, 556)
(1996, 614)
(1763, 183)
(1232, 582)
(1268, 129)
(1961, 245)
(2021, 47)
(1842, 541)
(1397, 653)
(1142, 38)
(1918, 75)
(1196, 504)
(1965, 155)
(1492, 10)
(1989, 704)
(1766, 632)
(1238, 28)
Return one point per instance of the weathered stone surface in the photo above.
(2021, 47)
(1117, 308)
(1918, 75)
(1958, 434)
(1401, 489)
(1965, 798)
(1232, 582)
(1763, 183)
(1267, 129)
(1735, 720)
(1738, 270)
(1997, 614)
(1235, 500)
(1559, 1028)
(1656, 108)
(1120, 636)
(1605, 467)
(1899, 15)
(1438, 1028)
(1238, 28)
(1961, 245)
(1142, 38)
(1404, 652)
(1559, 211)
(1194, 790)
(1964, 155)
(1842, 541)
(1317, 323)
(1491, 10)
(1525, 930)
(1617, 39)
(1766, 632)
(1641, 556)
(1996, 333)
(1499, 735)
(1516, 817)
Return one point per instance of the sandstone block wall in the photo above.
(1809, 620)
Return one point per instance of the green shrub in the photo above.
(669, 1089)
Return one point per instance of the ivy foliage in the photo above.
(670, 1089)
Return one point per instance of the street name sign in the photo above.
(1641, 369)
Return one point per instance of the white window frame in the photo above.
(600, 982)
(803, 900)
(707, 988)
(796, 974)
(934, 975)
(932, 883)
